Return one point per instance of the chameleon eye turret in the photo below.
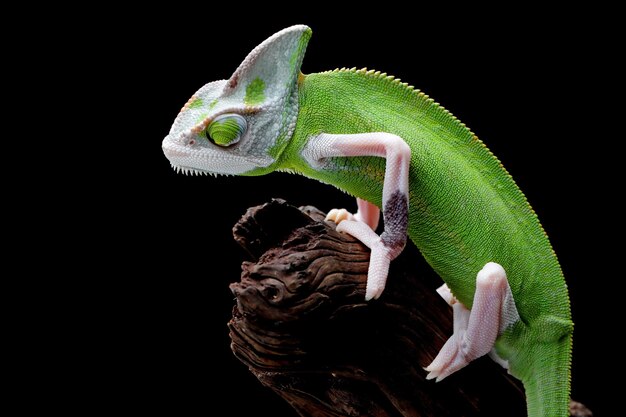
(226, 130)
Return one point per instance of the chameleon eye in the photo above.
(227, 129)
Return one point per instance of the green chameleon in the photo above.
(396, 149)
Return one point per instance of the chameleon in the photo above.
(400, 153)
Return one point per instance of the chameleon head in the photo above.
(241, 125)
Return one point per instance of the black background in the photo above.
(518, 78)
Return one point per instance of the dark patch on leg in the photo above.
(396, 215)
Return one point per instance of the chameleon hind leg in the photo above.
(476, 330)
(395, 198)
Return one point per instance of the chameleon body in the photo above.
(395, 149)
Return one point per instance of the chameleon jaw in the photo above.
(194, 159)
(192, 171)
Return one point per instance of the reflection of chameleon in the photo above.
(394, 148)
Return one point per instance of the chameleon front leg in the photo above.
(395, 198)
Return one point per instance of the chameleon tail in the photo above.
(547, 380)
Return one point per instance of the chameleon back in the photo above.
(464, 208)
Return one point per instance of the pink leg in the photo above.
(395, 197)
(476, 330)
(379, 258)
(367, 213)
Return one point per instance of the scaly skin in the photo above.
(465, 211)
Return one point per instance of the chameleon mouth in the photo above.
(192, 171)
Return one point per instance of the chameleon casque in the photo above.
(397, 150)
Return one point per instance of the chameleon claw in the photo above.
(339, 215)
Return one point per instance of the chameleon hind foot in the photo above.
(476, 330)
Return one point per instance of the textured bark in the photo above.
(302, 327)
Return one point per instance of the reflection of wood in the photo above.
(302, 327)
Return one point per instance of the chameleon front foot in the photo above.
(476, 330)
(339, 215)
(395, 198)
(361, 225)
(367, 213)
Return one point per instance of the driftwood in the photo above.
(302, 327)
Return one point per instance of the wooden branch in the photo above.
(303, 328)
